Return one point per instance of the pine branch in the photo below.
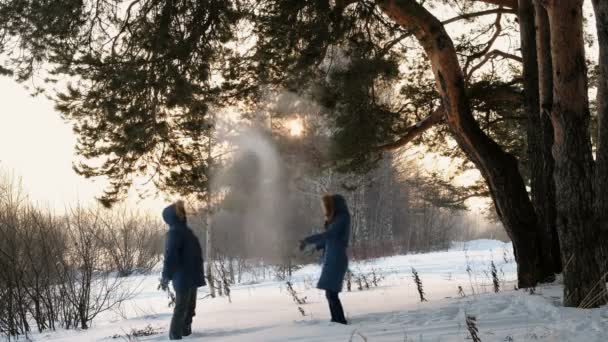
(416, 130)
(478, 14)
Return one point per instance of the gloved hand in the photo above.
(164, 284)
(302, 245)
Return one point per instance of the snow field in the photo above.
(390, 312)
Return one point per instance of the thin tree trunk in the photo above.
(600, 8)
(209, 254)
(499, 169)
(209, 221)
(583, 281)
(541, 198)
(546, 210)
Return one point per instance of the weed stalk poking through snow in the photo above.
(461, 291)
(472, 327)
(349, 279)
(495, 279)
(418, 285)
(297, 299)
(294, 295)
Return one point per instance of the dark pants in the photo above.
(185, 306)
(335, 307)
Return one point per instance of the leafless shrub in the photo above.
(349, 280)
(89, 286)
(53, 269)
(132, 241)
(135, 333)
(469, 270)
(364, 281)
(31, 245)
(376, 277)
(285, 270)
(50, 274)
(361, 281)
(223, 281)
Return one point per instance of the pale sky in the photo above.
(38, 146)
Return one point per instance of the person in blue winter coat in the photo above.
(334, 242)
(183, 267)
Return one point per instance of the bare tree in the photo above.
(88, 284)
(132, 241)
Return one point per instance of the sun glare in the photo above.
(295, 127)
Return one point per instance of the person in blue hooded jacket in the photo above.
(334, 242)
(183, 266)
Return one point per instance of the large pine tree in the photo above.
(145, 74)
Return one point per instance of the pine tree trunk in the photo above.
(600, 8)
(583, 281)
(499, 169)
(542, 199)
(539, 134)
(546, 210)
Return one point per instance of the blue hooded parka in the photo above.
(183, 262)
(335, 243)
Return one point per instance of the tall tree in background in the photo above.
(148, 72)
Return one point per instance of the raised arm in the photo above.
(316, 239)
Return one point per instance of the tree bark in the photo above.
(583, 281)
(541, 199)
(600, 8)
(546, 210)
(499, 169)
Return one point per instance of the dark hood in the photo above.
(171, 218)
(340, 205)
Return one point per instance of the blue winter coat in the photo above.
(183, 263)
(335, 242)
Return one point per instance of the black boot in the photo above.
(187, 330)
(339, 313)
(335, 307)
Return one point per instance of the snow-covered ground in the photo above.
(391, 311)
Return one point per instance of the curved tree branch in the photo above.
(491, 56)
(485, 50)
(478, 14)
(416, 129)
